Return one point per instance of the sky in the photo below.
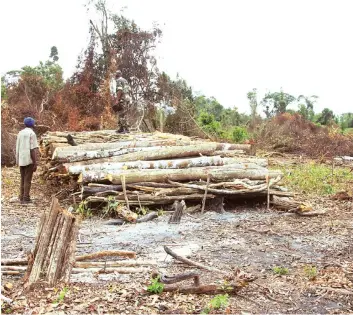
(222, 48)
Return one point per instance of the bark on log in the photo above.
(148, 217)
(55, 246)
(190, 262)
(65, 151)
(194, 173)
(107, 253)
(110, 164)
(142, 154)
(161, 164)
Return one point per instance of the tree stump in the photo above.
(179, 208)
(54, 252)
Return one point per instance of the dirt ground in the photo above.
(247, 237)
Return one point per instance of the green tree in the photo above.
(54, 54)
(276, 103)
(307, 109)
(3, 89)
(252, 97)
(326, 117)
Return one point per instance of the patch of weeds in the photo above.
(111, 206)
(160, 212)
(310, 272)
(220, 301)
(8, 181)
(155, 287)
(280, 270)
(314, 178)
(61, 296)
(143, 210)
(83, 209)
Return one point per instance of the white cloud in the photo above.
(222, 49)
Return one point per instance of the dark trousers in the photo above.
(26, 180)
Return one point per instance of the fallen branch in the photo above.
(121, 263)
(204, 289)
(190, 262)
(106, 253)
(148, 217)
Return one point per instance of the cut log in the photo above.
(190, 262)
(194, 173)
(148, 217)
(179, 208)
(143, 153)
(107, 163)
(107, 253)
(290, 205)
(55, 247)
(161, 164)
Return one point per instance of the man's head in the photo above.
(29, 122)
(118, 74)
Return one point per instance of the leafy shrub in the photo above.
(239, 134)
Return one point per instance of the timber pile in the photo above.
(147, 169)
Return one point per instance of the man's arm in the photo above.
(34, 151)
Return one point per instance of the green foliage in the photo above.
(276, 103)
(318, 179)
(209, 124)
(54, 54)
(50, 72)
(61, 295)
(110, 207)
(326, 117)
(280, 270)
(220, 301)
(310, 272)
(83, 209)
(346, 121)
(3, 89)
(155, 287)
(239, 134)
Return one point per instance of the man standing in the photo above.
(122, 101)
(26, 158)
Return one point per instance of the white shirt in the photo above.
(26, 141)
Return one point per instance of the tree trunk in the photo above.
(55, 247)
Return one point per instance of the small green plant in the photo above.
(61, 295)
(310, 272)
(160, 212)
(83, 209)
(143, 210)
(111, 206)
(218, 302)
(280, 270)
(156, 286)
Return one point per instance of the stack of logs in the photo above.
(148, 169)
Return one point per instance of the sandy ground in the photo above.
(246, 237)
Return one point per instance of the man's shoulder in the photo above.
(26, 131)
